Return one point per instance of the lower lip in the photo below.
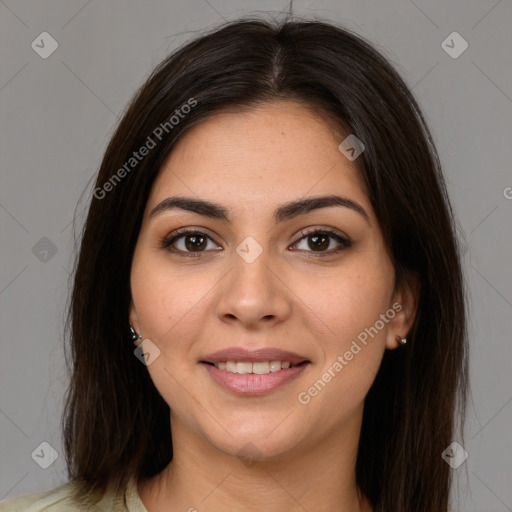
(250, 384)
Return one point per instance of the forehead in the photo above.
(267, 154)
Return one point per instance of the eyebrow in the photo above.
(284, 212)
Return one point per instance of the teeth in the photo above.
(261, 367)
(258, 368)
(243, 367)
(275, 366)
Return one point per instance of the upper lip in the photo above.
(254, 356)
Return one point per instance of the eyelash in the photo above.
(344, 243)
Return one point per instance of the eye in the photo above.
(189, 242)
(319, 241)
(193, 243)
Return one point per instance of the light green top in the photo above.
(60, 500)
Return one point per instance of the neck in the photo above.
(202, 478)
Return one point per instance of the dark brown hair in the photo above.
(116, 424)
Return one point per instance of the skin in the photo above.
(301, 456)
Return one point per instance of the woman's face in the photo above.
(259, 275)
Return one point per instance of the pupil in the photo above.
(316, 242)
(194, 242)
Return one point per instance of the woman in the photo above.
(270, 226)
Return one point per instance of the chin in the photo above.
(253, 446)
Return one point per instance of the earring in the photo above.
(135, 336)
(401, 340)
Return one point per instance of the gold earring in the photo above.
(401, 340)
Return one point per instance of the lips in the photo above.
(243, 372)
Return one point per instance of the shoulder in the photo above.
(58, 499)
(69, 498)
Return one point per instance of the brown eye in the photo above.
(195, 242)
(320, 240)
(188, 243)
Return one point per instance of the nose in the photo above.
(254, 294)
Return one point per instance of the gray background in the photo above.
(57, 116)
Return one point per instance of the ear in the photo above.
(405, 304)
(134, 321)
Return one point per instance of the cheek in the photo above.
(352, 338)
(167, 301)
(153, 298)
(351, 351)
(349, 300)
(168, 305)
